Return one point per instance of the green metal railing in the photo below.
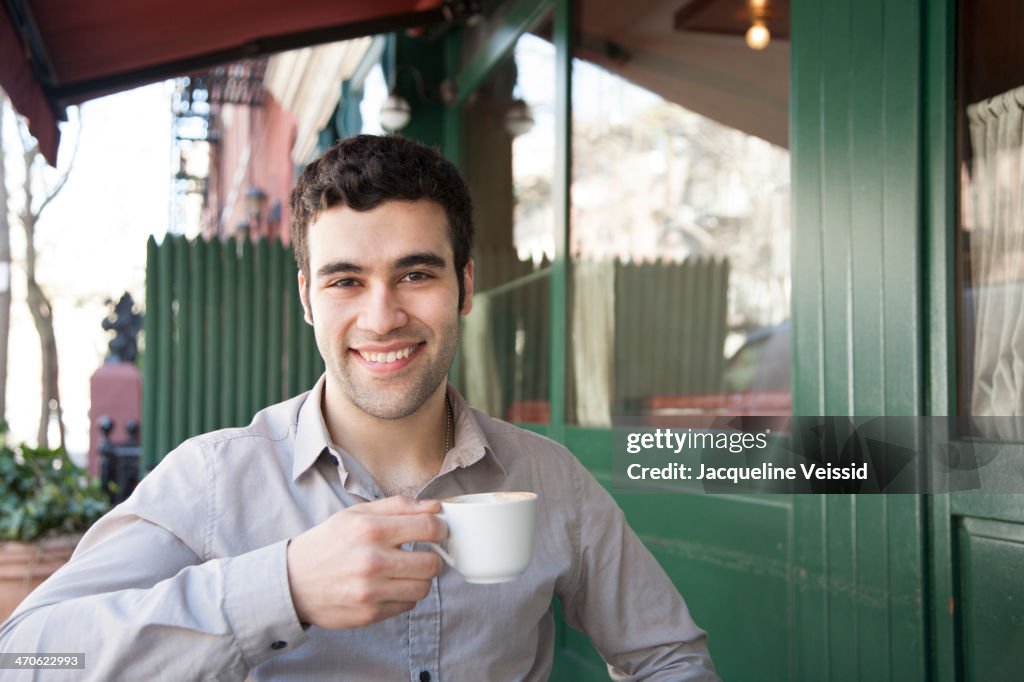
(224, 337)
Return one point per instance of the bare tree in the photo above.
(5, 265)
(36, 196)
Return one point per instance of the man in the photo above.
(294, 548)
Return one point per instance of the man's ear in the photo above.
(467, 281)
(307, 312)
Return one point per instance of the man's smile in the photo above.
(387, 360)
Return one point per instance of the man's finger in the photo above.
(403, 590)
(394, 530)
(411, 564)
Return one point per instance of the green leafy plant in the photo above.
(42, 493)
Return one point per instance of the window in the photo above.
(680, 227)
(509, 143)
(990, 239)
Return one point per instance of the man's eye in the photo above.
(341, 283)
(417, 276)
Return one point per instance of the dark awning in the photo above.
(54, 53)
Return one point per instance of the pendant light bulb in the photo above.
(758, 35)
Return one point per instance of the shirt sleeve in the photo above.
(623, 600)
(140, 600)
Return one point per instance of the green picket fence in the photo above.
(224, 337)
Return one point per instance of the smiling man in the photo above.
(293, 548)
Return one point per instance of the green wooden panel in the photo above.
(259, 367)
(908, 581)
(901, 46)
(857, 340)
(991, 594)
(998, 507)
(229, 334)
(151, 334)
(868, 193)
(670, 328)
(225, 313)
(836, 103)
(806, 167)
(845, 594)
(164, 386)
(213, 297)
(737, 555)
(714, 348)
(939, 200)
(295, 323)
(810, 558)
(246, 331)
(196, 336)
(276, 294)
(179, 419)
(870, 540)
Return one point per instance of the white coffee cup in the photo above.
(490, 535)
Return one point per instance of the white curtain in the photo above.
(994, 205)
(593, 340)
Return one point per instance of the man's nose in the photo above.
(383, 311)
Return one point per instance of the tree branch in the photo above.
(32, 153)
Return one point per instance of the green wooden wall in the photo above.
(226, 335)
(857, 311)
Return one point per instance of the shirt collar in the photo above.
(471, 444)
(311, 439)
(310, 431)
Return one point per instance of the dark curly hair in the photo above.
(364, 171)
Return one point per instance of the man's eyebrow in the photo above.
(337, 267)
(423, 259)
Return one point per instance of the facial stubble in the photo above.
(377, 398)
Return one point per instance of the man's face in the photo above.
(383, 302)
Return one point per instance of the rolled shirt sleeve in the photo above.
(142, 599)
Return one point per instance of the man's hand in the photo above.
(349, 571)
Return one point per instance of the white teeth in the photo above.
(388, 357)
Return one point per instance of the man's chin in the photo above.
(388, 400)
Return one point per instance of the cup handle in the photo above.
(440, 550)
(444, 555)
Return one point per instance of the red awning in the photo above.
(54, 53)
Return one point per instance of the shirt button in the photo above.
(424, 676)
(278, 645)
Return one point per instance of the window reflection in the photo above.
(680, 233)
(509, 143)
(991, 234)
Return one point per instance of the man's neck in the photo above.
(402, 453)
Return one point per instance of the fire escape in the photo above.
(200, 194)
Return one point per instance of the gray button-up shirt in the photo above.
(188, 580)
